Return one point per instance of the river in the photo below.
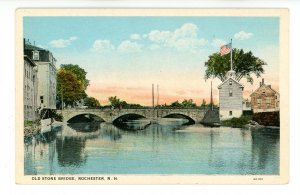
(136, 147)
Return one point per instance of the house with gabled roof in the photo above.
(264, 99)
(230, 97)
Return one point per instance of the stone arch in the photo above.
(183, 115)
(128, 116)
(70, 117)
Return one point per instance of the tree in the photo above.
(68, 87)
(78, 71)
(91, 102)
(203, 103)
(188, 103)
(176, 104)
(244, 64)
(117, 103)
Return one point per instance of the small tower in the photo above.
(230, 97)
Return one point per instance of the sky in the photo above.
(124, 56)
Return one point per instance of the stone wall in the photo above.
(267, 118)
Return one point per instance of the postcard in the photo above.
(152, 96)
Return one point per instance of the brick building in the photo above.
(265, 99)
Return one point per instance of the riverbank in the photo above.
(246, 122)
(236, 122)
(32, 127)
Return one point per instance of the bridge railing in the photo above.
(144, 108)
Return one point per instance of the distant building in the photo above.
(230, 97)
(246, 105)
(264, 99)
(46, 74)
(30, 90)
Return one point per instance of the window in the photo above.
(268, 103)
(230, 82)
(259, 103)
(230, 92)
(42, 99)
(36, 55)
(230, 113)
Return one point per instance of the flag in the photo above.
(225, 49)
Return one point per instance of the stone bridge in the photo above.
(108, 115)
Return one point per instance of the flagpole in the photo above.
(230, 54)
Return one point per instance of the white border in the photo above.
(7, 168)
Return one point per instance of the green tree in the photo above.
(176, 104)
(78, 71)
(188, 103)
(244, 64)
(203, 103)
(68, 87)
(117, 103)
(91, 102)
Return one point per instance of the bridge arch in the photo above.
(71, 114)
(180, 116)
(128, 116)
(84, 117)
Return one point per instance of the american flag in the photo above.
(225, 49)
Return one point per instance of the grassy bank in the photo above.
(236, 122)
(31, 127)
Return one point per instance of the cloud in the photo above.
(186, 30)
(184, 38)
(160, 36)
(242, 35)
(218, 43)
(154, 47)
(135, 36)
(102, 46)
(62, 43)
(129, 47)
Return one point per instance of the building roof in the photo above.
(32, 47)
(232, 80)
(29, 60)
(263, 85)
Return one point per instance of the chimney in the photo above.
(262, 81)
(260, 84)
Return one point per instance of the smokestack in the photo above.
(260, 84)
(263, 81)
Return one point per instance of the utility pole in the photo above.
(157, 101)
(62, 98)
(211, 96)
(153, 96)
(231, 54)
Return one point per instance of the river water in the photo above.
(137, 147)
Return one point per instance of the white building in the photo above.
(30, 82)
(46, 74)
(230, 97)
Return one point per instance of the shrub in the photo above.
(236, 122)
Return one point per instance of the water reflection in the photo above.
(263, 144)
(70, 151)
(140, 147)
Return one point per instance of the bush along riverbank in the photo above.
(31, 127)
(236, 122)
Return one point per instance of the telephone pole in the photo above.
(153, 96)
(157, 101)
